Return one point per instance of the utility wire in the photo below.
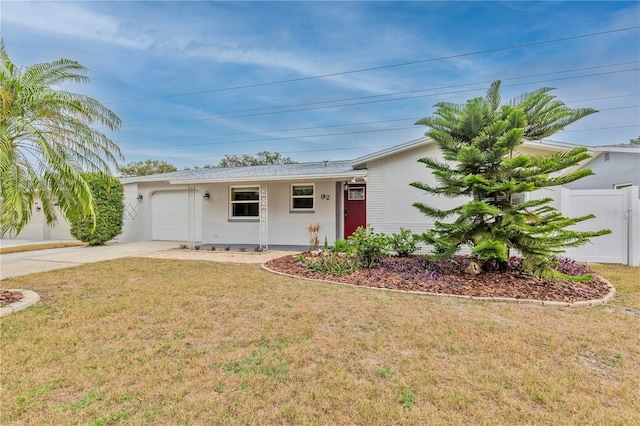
(286, 138)
(403, 64)
(294, 129)
(214, 115)
(346, 148)
(383, 100)
(275, 139)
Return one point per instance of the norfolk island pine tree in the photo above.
(478, 140)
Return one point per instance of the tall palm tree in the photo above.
(48, 137)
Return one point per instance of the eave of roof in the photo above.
(339, 176)
(266, 173)
(362, 161)
(629, 149)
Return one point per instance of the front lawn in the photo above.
(150, 341)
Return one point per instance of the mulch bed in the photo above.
(448, 277)
(8, 297)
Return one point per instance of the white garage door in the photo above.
(170, 216)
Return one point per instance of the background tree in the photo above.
(47, 138)
(635, 141)
(108, 194)
(145, 168)
(261, 158)
(478, 141)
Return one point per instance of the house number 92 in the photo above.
(325, 197)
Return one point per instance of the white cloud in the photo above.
(69, 19)
(168, 39)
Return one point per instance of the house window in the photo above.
(245, 201)
(302, 197)
(518, 198)
(621, 185)
(355, 193)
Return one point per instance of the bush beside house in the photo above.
(108, 194)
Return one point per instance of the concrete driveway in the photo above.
(29, 262)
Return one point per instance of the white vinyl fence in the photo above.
(615, 209)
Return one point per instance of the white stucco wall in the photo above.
(619, 168)
(38, 230)
(34, 230)
(284, 226)
(390, 197)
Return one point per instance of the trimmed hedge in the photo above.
(108, 195)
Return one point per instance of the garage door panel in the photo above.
(170, 216)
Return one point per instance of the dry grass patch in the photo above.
(626, 280)
(40, 246)
(150, 341)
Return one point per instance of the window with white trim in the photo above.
(517, 198)
(355, 193)
(303, 197)
(245, 201)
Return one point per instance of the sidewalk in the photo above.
(29, 262)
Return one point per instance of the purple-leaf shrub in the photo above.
(570, 267)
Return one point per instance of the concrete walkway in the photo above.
(29, 262)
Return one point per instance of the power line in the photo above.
(388, 100)
(258, 132)
(442, 58)
(601, 128)
(277, 130)
(216, 115)
(300, 151)
(276, 139)
(378, 146)
(393, 129)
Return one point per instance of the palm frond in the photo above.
(48, 136)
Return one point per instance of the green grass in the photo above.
(151, 341)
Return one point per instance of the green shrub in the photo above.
(404, 244)
(342, 246)
(332, 263)
(369, 245)
(108, 195)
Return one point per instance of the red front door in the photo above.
(355, 209)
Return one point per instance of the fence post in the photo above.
(633, 225)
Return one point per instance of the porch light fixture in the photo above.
(139, 197)
(206, 195)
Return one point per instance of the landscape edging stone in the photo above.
(29, 298)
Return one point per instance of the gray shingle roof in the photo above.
(629, 146)
(316, 170)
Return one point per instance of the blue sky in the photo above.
(193, 81)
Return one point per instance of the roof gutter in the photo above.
(338, 176)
